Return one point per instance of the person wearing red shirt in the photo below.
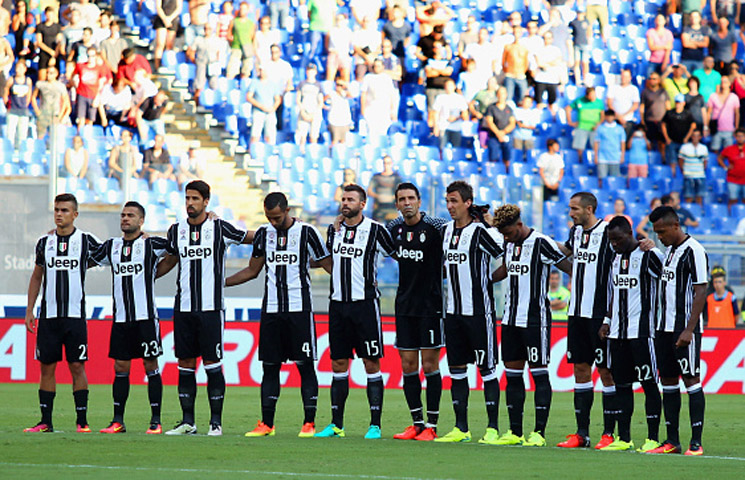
(88, 79)
(129, 64)
(732, 159)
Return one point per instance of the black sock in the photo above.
(187, 393)
(339, 394)
(653, 409)
(491, 398)
(515, 395)
(433, 394)
(542, 398)
(215, 391)
(696, 408)
(671, 404)
(81, 406)
(375, 390)
(413, 394)
(46, 404)
(625, 405)
(583, 400)
(155, 394)
(609, 410)
(459, 391)
(308, 390)
(120, 392)
(269, 392)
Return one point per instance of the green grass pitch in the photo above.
(134, 455)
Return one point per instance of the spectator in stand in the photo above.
(112, 48)
(527, 119)
(434, 15)
(121, 155)
(582, 51)
(451, 110)
(224, 21)
(76, 159)
(310, 108)
(398, 31)
(78, 51)
(644, 229)
(695, 39)
(49, 41)
(149, 118)
(264, 96)
(339, 118)
(7, 57)
(20, 21)
(562, 38)
(382, 190)
(654, 104)
(721, 305)
(321, 15)
(589, 115)
(723, 45)
(437, 71)
(660, 42)
(279, 10)
(638, 148)
(206, 53)
(619, 210)
(361, 9)
(686, 217)
(515, 65)
(675, 80)
(677, 127)
(242, 33)
(130, 63)
(738, 87)
(391, 65)
(17, 96)
(609, 147)
(500, 122)
(624, 99)
(349, 178)
(191, 166)
(199, 11)
(117, 101)
(470, 82)
(533, 42)
(166, 23)
(732, 159)
(339, 60)
(709, 78)
(157, 162)
(426, 45)
(281, 73)
(695, 103)
(469, 35)
(89, 79)
(551, 169)
(499, 42)
(102, 31)
(378, 101)
(73, 31)
(266, 36)
(551, 68)
(481, 54)
(597, 10)
(89, 12)
(367, 46)
(693, 157)
(724, 116)
(478, 105)
(51, 103)
(558, 295)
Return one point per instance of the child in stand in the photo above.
(638, 147)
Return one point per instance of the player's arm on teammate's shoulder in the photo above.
(249, 273)
(34, 286)
(646, 244)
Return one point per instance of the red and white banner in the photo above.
(722, 358)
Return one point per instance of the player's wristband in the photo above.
(606, 321)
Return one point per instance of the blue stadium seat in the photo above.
(614, 183)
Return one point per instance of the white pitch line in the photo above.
(202, 470)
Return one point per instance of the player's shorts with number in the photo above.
(678, 361)
(471, 339)
(633, 360)
(287, 336)
(415, 333)
(584, 345)
(138, 339)
(199, 334)
(531, 344)
(54, 333)
(354, 327)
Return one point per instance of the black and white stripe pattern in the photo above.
(593, 256)
(685, 266)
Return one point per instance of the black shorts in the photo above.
(44, 59)
(583, 342)
(532, 344)
(53, 333)
(158, 23)
(417, 333)
(654, 132)
(355, 328)
(471, 339)
(139, 339)
(633, 360)
(675, 362)
(287, 336)
(199, 334)
(84, 108)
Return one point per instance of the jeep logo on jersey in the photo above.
(455, 257)
(63, 263)
(625, 281)
(196, 252)
(127, 269)
(583, 256)
(348, 251)
(668, 275)
(518, 269)
(413, 254)
(282, 258)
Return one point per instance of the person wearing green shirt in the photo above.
(675, 80)
(321, 15)
(589, 115)
(559, 297)
(241, 33)
(709, 78)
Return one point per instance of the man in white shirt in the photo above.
(551, 168)
(692, 158)
(451, 110)
(624, 100)
(483, 53)
(378, 101)
(280, 71)
(367, 45)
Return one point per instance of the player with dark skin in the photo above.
(622, 243)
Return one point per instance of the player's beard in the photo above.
(194, 213)
(350, 213)
(129, 229)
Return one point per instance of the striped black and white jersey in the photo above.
(593, 256)
(467, 253)
(685, 266)
(132, 265)
(201, 250)
(355, 251)
(287, 255)
(419, 250)
(65, 260)
(634, 281)
(526, 302)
